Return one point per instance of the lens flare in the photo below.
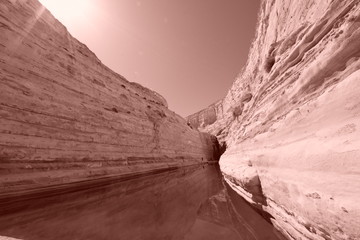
(69, 10)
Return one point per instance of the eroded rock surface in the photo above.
(64, 116)
(297, 138)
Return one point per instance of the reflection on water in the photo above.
(189, 204)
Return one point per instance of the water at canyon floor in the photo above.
(191, 203)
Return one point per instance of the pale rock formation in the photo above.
(293, 148)
(66, 117)
(206, 117)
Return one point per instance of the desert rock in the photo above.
(298, 133)
(66, 117)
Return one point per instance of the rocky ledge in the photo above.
(65, 117)
(291, 119)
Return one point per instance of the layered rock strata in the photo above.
(65, 117)
(293, 147)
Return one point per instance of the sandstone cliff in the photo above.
(291, 119)
(66, 117)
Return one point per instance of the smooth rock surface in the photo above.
(293, 148)
(65, 117)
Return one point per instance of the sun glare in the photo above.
(69, 10)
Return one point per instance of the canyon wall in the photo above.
(65, 117)
(211, 120)
(291, 120)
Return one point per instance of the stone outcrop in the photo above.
(207, 116)
(293, 147)
(211, 120)
(65, 117)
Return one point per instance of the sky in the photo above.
(189, 51)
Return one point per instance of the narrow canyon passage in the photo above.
(189, 203)
(88, 152)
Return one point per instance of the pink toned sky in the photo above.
(189, 51)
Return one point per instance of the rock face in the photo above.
(207, 116)
(66, 117)
(293, 147)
